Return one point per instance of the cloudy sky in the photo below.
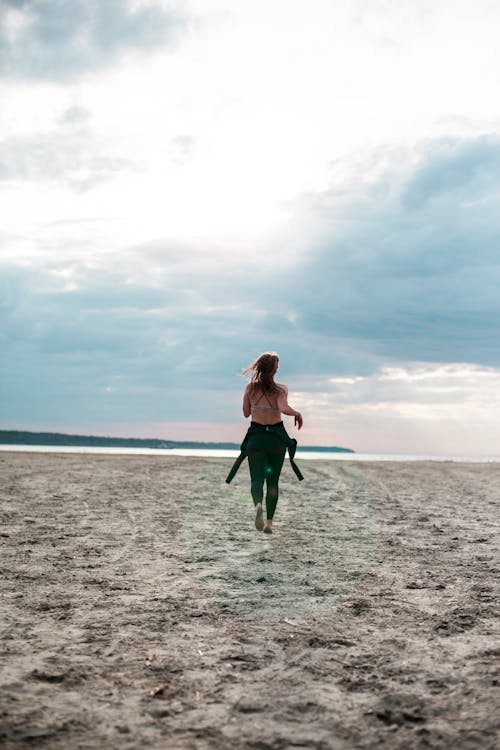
(184, 185)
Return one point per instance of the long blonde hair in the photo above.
(262, 371)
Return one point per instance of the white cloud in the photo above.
(422, 408)
(259, 102)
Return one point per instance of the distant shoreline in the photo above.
(23, 437)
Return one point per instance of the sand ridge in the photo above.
(141, 608)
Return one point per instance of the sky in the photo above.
(184, 185)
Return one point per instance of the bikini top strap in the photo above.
(263, 393)
(267, 399)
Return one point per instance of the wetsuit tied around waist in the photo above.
(277, 429)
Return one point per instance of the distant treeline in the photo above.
(20, 437)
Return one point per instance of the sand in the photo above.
(140, 608)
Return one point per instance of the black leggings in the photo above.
(266, 453)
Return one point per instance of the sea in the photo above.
(214, 453)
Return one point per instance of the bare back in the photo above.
(264, 407)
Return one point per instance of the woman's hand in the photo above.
(285, 407)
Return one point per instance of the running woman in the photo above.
(267, 440)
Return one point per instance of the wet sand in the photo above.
(140, 608)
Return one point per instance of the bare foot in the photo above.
(267, 527)
(259, 517)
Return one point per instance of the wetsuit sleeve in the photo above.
(235, 467)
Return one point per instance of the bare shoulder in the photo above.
(282, 387)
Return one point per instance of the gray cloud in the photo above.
(408, 266)
(455, 169)
(58, 40)
(75, 116)
(168, 326)
(168, 338)
(67, 155)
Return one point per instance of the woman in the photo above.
(266, 442)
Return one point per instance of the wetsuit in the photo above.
(266, 453)
(265, 447)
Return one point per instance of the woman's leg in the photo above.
(257, 465)
(275, 458)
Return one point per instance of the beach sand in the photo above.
(140, 608)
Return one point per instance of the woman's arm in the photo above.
(246, 402)
(285, 407)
